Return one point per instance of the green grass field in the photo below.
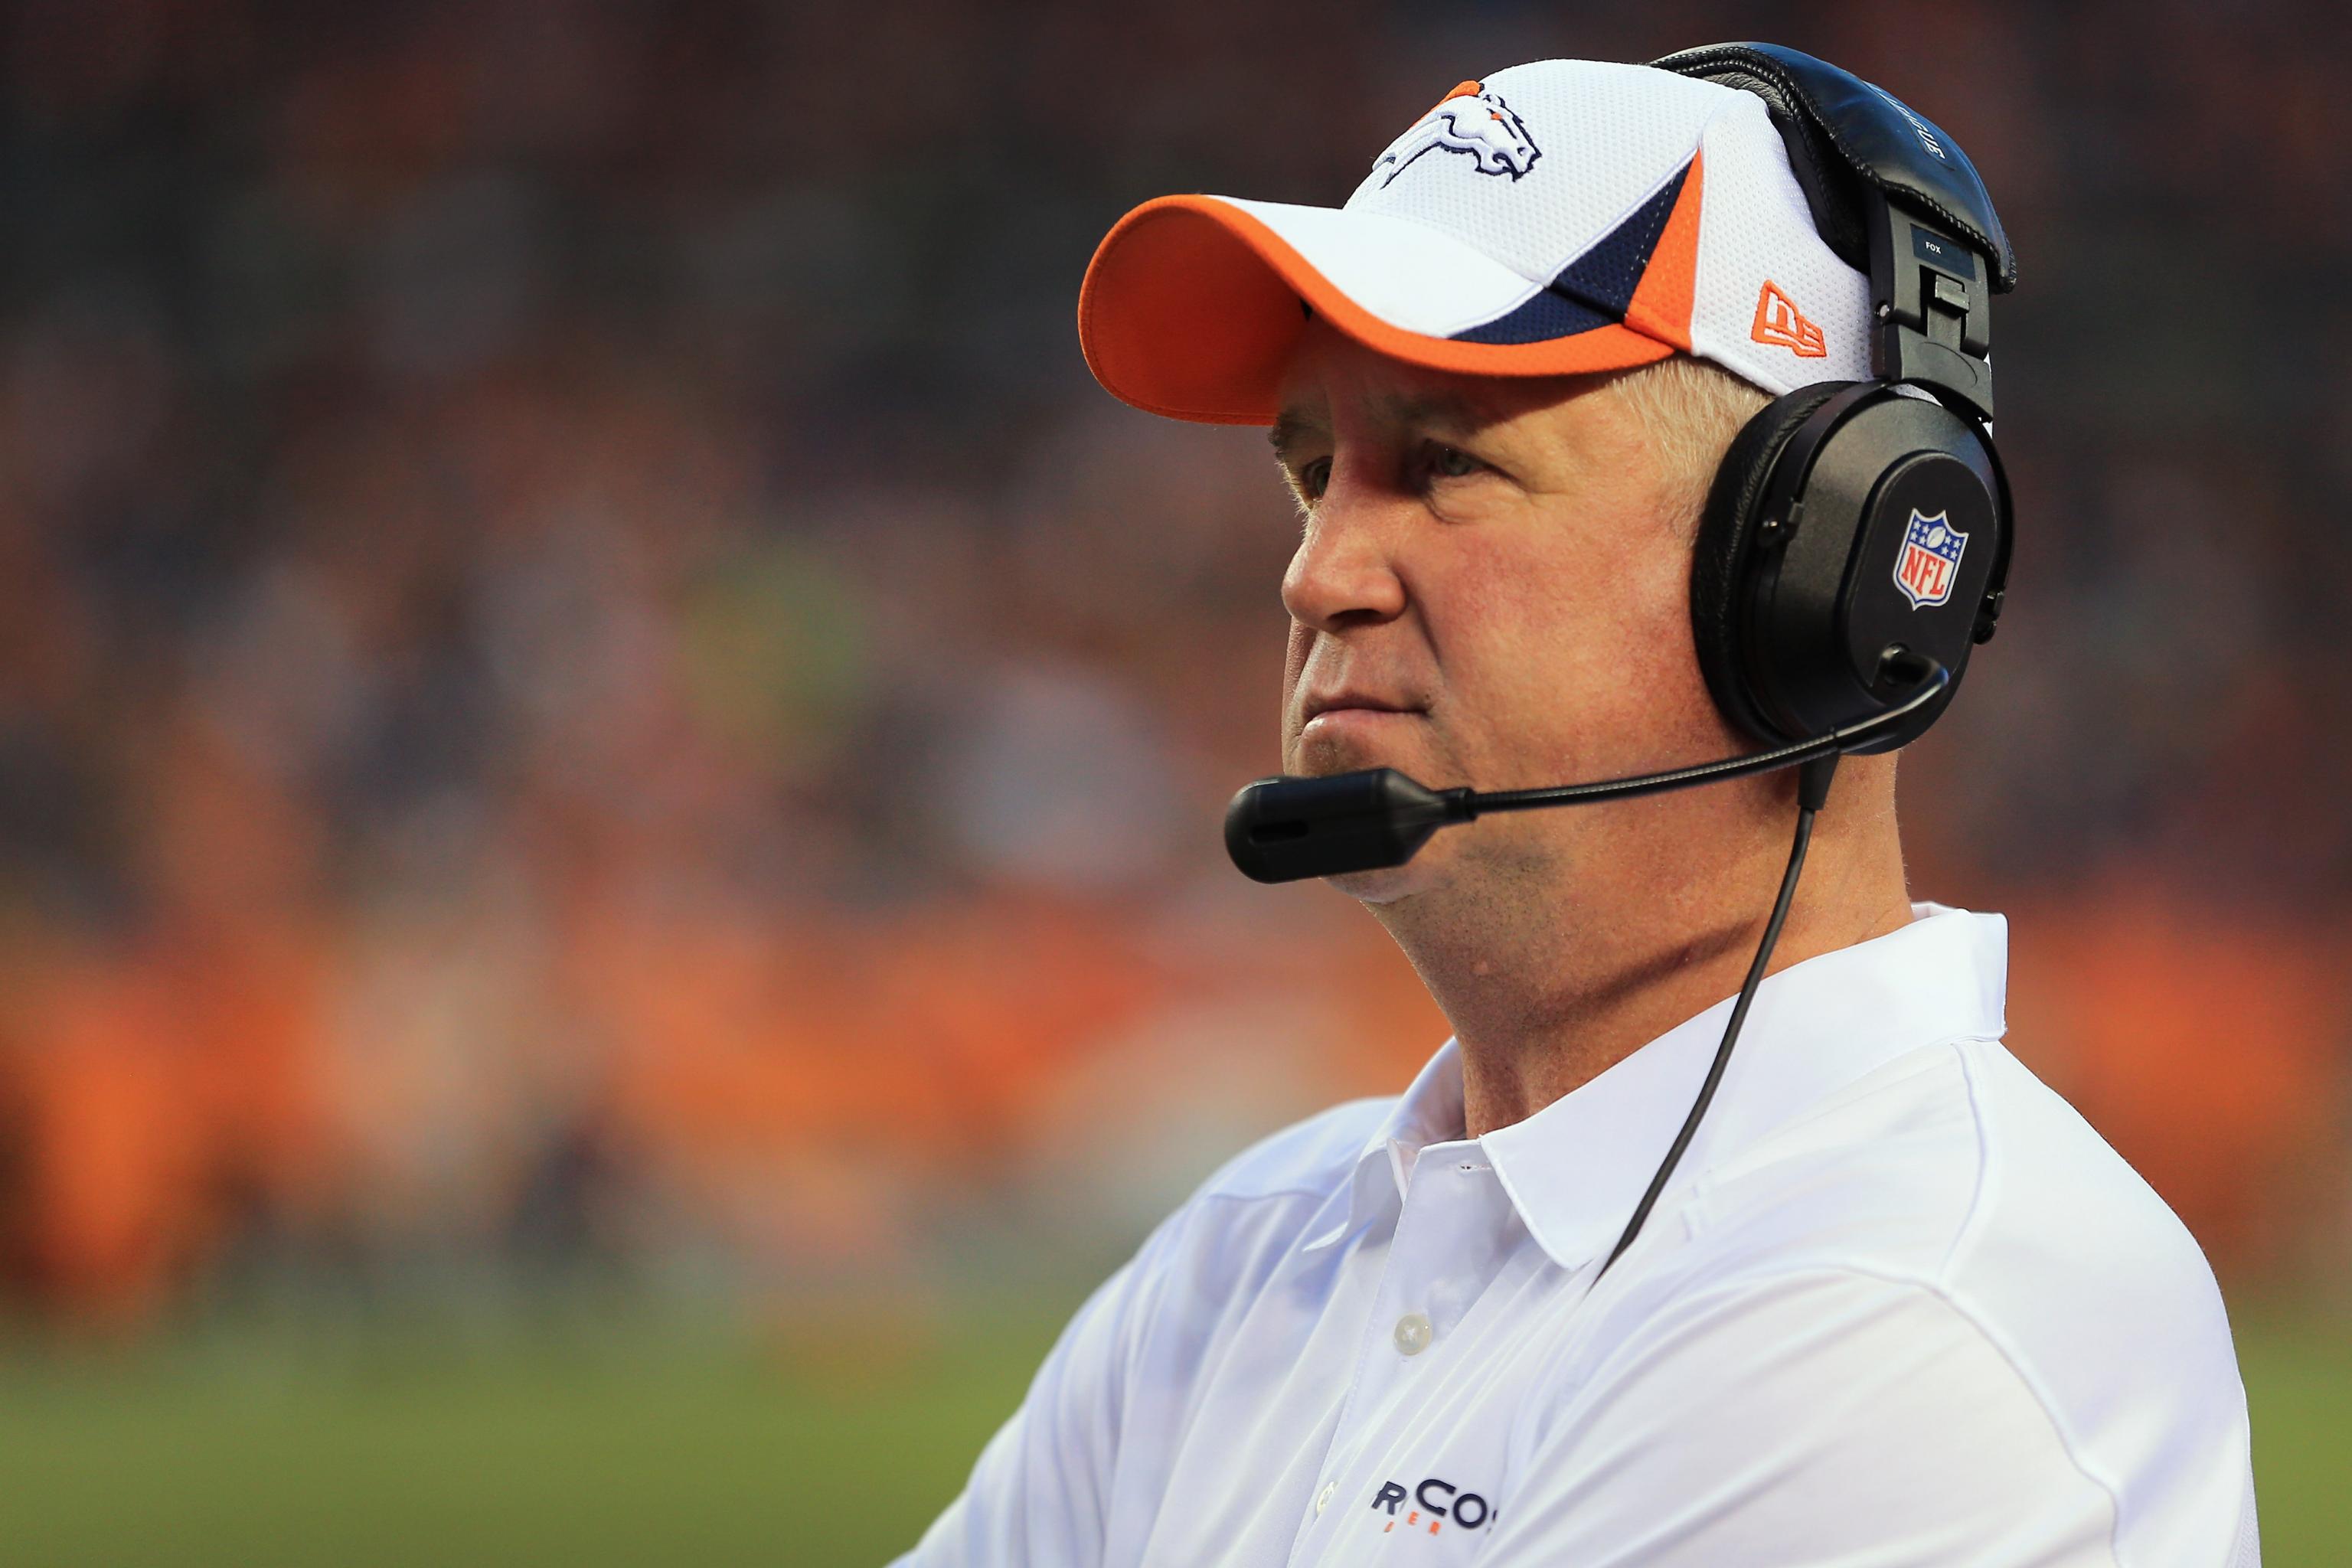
(667, 1445)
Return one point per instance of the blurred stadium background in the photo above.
(610, 757)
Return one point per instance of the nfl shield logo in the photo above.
(1930, 561)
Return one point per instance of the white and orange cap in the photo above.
(1555, 218)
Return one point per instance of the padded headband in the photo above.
(1842, 131)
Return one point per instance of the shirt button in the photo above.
(1323, 1498)
(1414, 1333)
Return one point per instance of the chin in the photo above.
(1381, 887)
(1423, 873)
(1471, 866)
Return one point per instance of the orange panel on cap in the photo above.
(1662, 302)
(1190, 308)
(1461, 89)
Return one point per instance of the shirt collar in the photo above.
(1575, 1169)
(1428, 1112)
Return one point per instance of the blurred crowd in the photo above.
(587, 683)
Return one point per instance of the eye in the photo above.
(1452, 462)
(1313, 479)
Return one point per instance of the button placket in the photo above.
(1436, 1236)
(1441, 1254)
(1419, 1250)
(1377, 1364)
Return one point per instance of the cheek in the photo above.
(1294, 660)
(1547, 651)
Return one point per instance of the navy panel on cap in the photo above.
(1594, 289)
(1544, 317)
(1606, 276)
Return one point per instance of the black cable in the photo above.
(1812, 793)
(1931, 678)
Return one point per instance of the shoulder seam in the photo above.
(1229, 1180)
(2031, 1385)
(1258, 1196)
(1980, 1200)
(1926, 1051)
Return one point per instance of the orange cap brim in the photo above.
(1191, 308)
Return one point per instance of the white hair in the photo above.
(1691, 409)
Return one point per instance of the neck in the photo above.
(1550, 980)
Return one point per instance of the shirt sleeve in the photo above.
(1040, 1493)
(1805, 1418)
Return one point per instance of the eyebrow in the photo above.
(1446, 413)
(1289, 431)
(1442, 411)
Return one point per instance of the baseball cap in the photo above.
(1560, 217)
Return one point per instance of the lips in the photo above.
(1327, 702)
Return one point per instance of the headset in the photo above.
(1855, 544)
(1811, 514)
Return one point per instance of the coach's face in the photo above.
(1491, 588)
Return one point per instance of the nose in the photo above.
(1344, 573)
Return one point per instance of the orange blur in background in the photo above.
(587, 686)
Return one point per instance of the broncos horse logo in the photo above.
(1467, 119)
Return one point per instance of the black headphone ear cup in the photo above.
(1726, 527)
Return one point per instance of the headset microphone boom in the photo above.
(1286, 829)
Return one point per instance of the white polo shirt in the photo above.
(1899, 1305)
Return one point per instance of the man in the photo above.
(1897, 1303)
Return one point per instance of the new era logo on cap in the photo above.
(1780, 323)
(1555, 218)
